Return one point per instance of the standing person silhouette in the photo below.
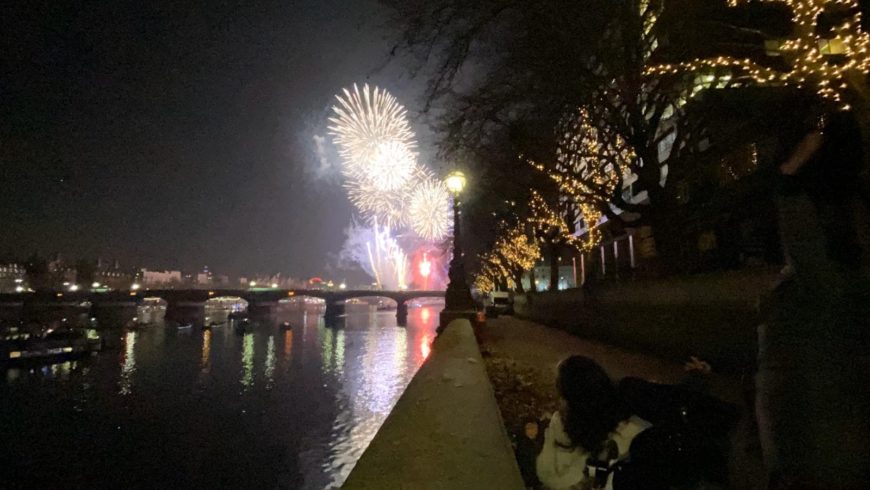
(811, 400)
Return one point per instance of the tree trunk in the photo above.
(554, 267)
(518, 279)
(662, 216)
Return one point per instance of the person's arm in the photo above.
(808, 146)
(559, 467)
(697, 376)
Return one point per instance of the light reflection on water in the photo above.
(270, 408)
(128, 368)
(270, 363)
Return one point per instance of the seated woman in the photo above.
(592, 422)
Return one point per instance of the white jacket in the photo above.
(561, 468)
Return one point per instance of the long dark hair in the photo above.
(594, 407)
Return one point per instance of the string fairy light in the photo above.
(804, 51)
(550, 225)
(512, 253)
(587, 169)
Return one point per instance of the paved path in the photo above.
(541, 348)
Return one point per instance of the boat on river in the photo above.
(243, 325)
(151, 311)
(19, 347)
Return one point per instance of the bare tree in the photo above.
(499, 65)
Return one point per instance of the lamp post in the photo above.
(458, 302)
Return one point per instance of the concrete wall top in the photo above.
(446, 431)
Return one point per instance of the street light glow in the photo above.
(455, 182)
(252, 284)
(73, 287)
(95, 285)
(134, 286)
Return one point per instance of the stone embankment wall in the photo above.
(712, 316)
(446, 431)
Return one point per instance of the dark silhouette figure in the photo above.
(812, 404)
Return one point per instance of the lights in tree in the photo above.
(512, 254)
(590, 166)
(549, 225)
(805, 52)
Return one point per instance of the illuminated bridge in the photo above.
(190, 303)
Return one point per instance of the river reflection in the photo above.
(273, 408)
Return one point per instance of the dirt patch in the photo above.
(522, 392)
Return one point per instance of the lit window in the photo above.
(772, 47)
(832, 47)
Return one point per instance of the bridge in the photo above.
(183, 304)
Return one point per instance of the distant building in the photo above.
(155, 279)
(542, 277)
(11, 276)
(203, 279)
(114, 279)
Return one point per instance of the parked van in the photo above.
(499, 302)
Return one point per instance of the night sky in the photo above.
(178, 134)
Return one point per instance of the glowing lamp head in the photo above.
(73, 287)
(95, 285)
(134, 286)
(455, 182)
(252, 284)
(274, 285)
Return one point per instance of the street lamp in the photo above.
(457, 301)
(455, 183)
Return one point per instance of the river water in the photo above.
(167, 408)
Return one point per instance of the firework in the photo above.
(378, 253)
(390, 208)
(373, 135)
(388, 261)
(391, 191)
(387, 207)
(390, 166)
(429, 210)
